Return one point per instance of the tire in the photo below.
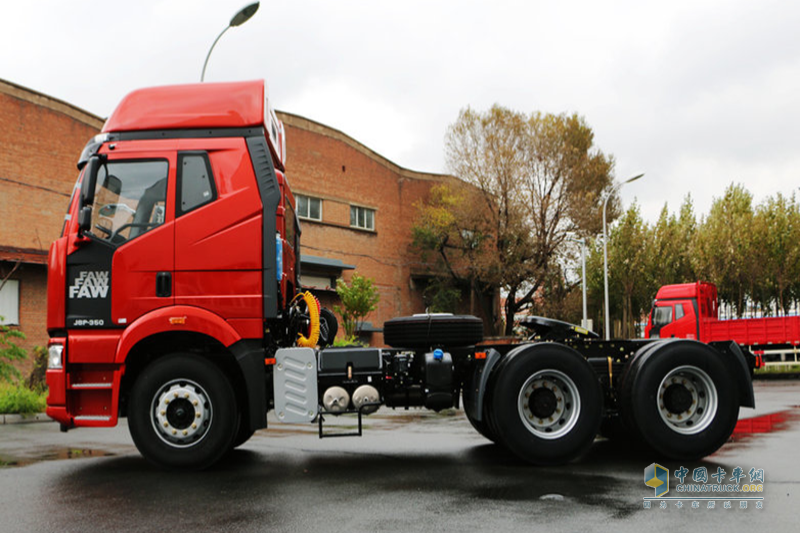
(482, 427)
(328, 327)
(242, 436)
(565, 419)
(193, 390)
(680, 399)
(617, 428)
(424, 331)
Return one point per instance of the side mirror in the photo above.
(85, 218)
(89, 181)
(87, 194)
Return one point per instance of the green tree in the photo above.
(441, 296)
(684, 239)
(450, 227)
(627, 267)
(776, 229)
(10, 352)
(534, 179)
(358, 299)
(724, 250)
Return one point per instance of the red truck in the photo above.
(691, 311)
(174, 301)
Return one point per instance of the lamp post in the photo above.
(582, 242)
(605, 250)
(238, 19)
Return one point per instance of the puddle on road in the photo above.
(745, 429)
(770, 423)
(55, 454)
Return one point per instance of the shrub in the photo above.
(359, 299)
(38, 379)
(19, 399)
(348, 341)
(10, 352)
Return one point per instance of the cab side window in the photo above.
(195, 182)
(678, 311)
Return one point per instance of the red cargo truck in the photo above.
(691, 311)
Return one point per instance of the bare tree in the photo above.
(534, 179)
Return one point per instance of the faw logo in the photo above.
(90, 284)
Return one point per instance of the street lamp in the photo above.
(238, 19)
(605, 249)
(582, 242)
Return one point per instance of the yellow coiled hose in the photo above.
(313, 316)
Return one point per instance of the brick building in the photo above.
(40, 139)
(356, 207)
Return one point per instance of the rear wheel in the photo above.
(182, 412)
(681, 400)
(482, 427)
(546, 404)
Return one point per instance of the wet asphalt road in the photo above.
(412, 471)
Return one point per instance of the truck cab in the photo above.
(181, 235)
(678, 310)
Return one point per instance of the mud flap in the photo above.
(475, 391)
(742, 371)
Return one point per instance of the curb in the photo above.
(24, 419)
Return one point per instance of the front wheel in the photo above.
(546, 404)
(182, 412)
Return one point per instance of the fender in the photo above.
(744, 376)
(174, 319)
(729, 352)
(473, 397)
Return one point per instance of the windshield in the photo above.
(662, 316)
(130, 199)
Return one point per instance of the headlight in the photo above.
(54, 356)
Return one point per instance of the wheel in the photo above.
(328, 327)
(681, 400)
(424, 331)
(546, 404)
(482, 427)
(182, 412)
(243, 435)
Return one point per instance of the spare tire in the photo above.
(424, 331)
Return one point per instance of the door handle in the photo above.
(164, 284)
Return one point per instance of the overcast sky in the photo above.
(695, 94)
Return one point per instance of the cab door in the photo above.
(123, 267)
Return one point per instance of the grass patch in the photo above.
(19, 399)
